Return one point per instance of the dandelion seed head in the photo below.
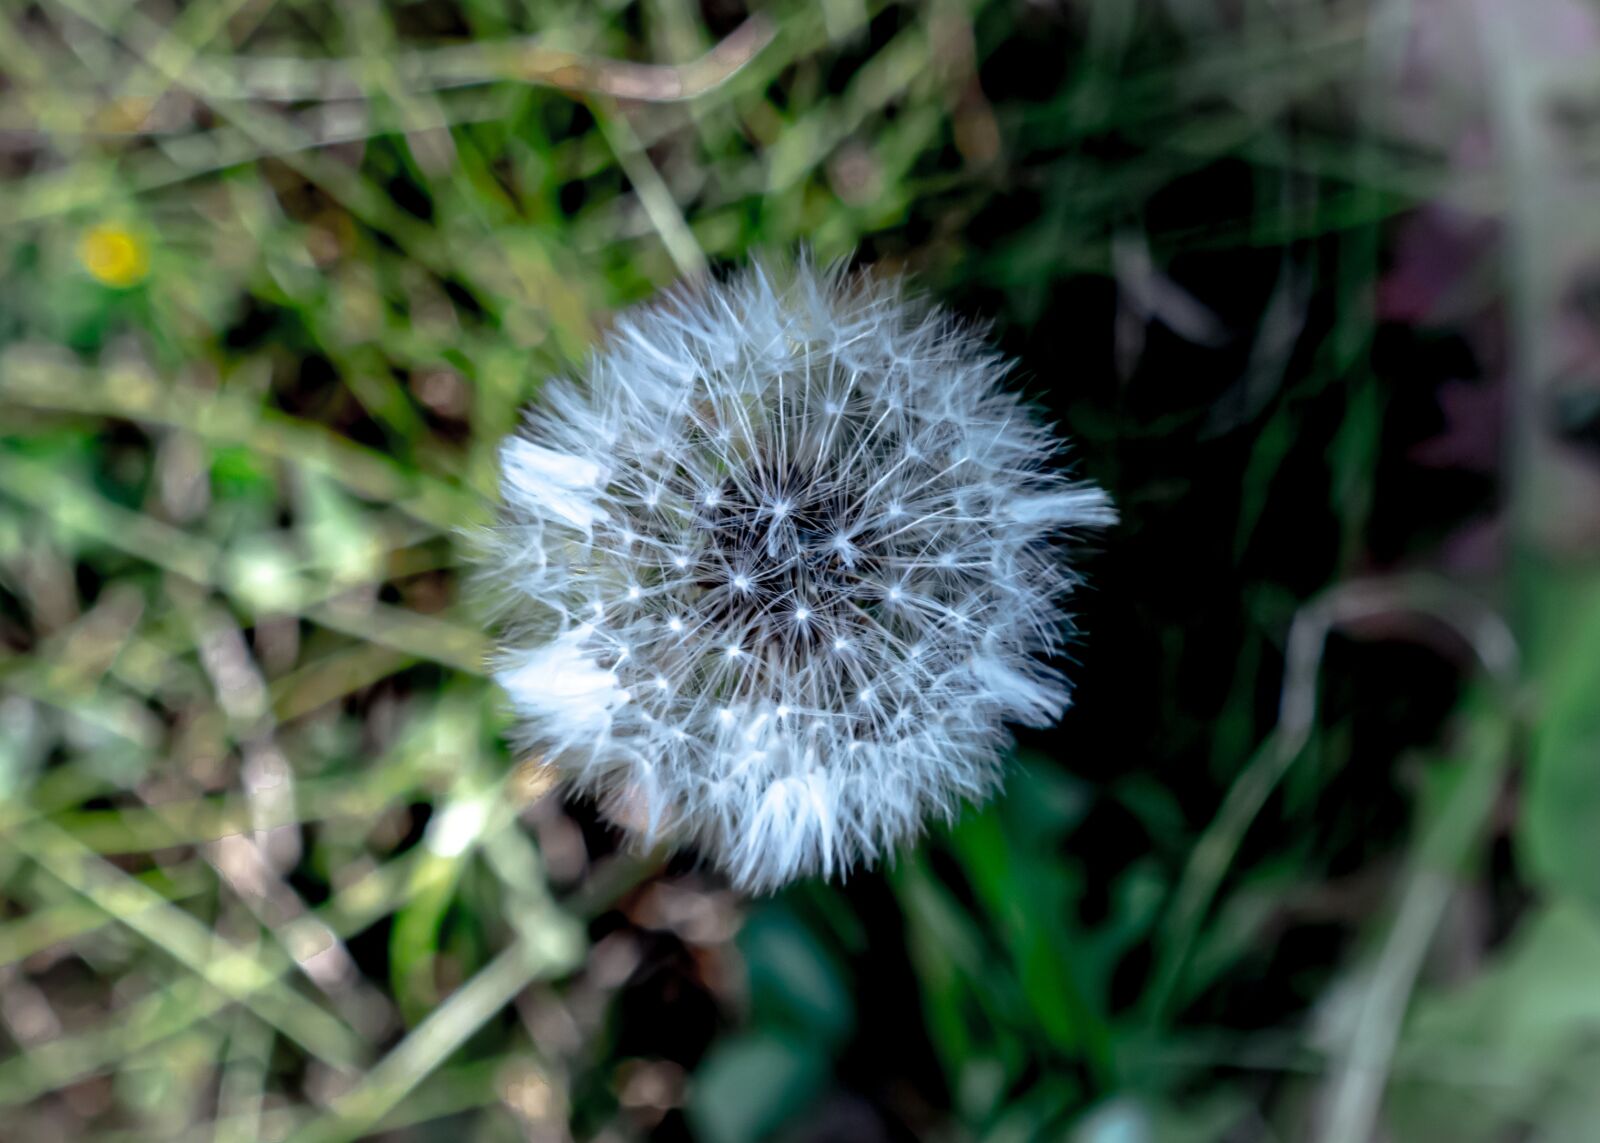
(830, 538)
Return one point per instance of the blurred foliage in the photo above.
(1314, 858)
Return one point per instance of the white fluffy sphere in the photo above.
(780, 570)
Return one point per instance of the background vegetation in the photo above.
(1309, 283)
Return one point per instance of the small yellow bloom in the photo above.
(114, 255)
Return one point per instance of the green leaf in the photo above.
(751, 1084)
(1514, 1047)
(1560, 834)
(794, 982)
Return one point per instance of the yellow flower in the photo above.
(113, 255)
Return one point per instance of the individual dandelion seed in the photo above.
(779, 572)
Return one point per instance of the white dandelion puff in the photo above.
(779, 572)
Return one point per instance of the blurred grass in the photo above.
(278, 278)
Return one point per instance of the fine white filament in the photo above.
(781, 569)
